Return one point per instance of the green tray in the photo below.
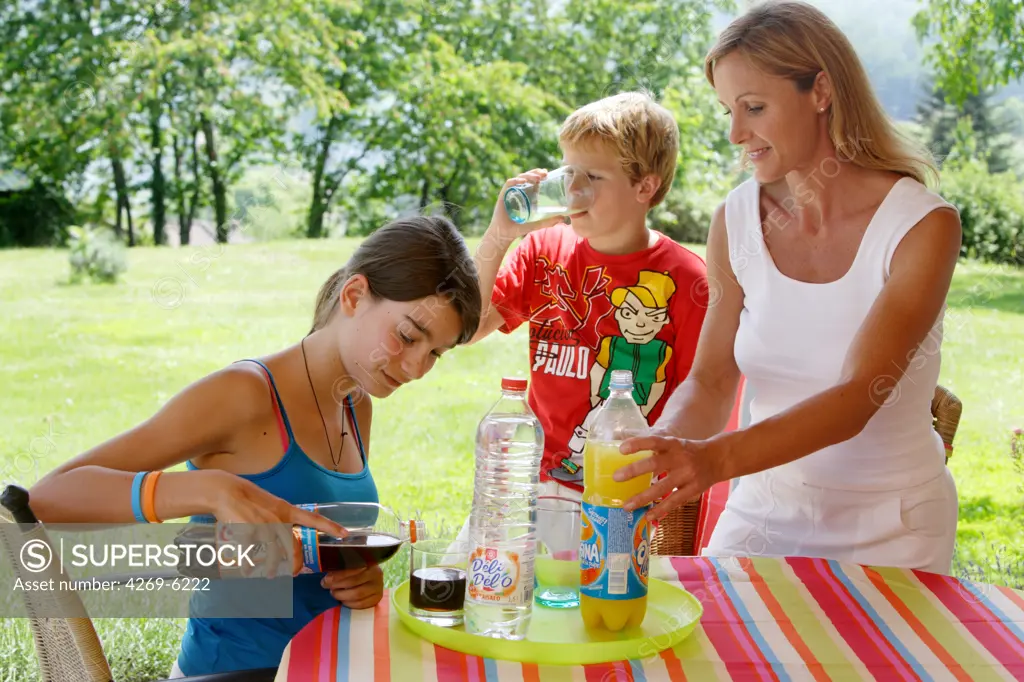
(557, 636)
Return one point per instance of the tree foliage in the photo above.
(974, 44)
(158, 108)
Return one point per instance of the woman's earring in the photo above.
(821, 110)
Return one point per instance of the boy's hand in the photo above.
(504, 227)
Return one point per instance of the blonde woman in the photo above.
(829, 272)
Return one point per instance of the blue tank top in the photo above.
(214, 645)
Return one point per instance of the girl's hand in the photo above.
(357, 588)
(689, 466)
(268, 519)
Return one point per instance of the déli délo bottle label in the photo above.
(500, 576)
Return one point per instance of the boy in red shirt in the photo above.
(604, 293)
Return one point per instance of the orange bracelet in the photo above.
(149, 497)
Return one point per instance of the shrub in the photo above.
(96, 255)
(991, 211)
(684, 215)
(37, 215)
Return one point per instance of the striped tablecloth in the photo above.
(764, 619)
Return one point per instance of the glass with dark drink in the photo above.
(375, 534)
(437, 581)
(357, 550)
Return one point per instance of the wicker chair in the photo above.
(68, 648)
(946, 409)
(676, 534)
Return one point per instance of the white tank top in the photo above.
(793, 339)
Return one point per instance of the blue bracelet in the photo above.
(137, 496)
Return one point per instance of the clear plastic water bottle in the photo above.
(502, 530)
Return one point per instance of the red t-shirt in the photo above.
(590, 313)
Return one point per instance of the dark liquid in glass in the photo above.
(358, 550)
(437, 589)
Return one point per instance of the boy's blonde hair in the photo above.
(643, 135)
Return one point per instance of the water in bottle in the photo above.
(502, 530)
(614, 543)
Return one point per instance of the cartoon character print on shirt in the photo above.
(641, 311)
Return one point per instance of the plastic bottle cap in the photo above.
(621, 378)
(513, 384)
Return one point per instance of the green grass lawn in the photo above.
(78, 364)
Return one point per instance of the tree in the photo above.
(976, 44)
(478, 90)
(941, 119)
(67, 93)
(248, 73)
(91, 81)
(341, 139)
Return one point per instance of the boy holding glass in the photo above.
(600, 290)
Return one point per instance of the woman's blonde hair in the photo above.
(795, 40)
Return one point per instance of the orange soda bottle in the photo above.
(614, 543)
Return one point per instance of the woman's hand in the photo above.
(357, 588)
(268, 519)
(689, 466)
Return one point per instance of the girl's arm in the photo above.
(95, 487)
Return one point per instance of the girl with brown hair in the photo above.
(260, 436)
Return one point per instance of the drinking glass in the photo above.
(437, 581)
(558, 545)
(564, 191)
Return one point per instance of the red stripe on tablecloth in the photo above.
(451, 665)
(977, 619)
(477, 664)
(851, 622)
(381, 640)
(304, 647)
(315, 653)
(673, 665)
(916, 625)
(599, 672)
(782, 620)
(721, 623)
(330, 642)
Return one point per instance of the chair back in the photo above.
(676, 533)
(68, 648)
(946, 410)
